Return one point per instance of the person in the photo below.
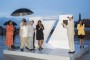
(39, 34)
(20, 31)
(14, 35)
(9, 35)
(81, 32)
(31, 33)
(70, 33)
(24, 31)
(1, 30)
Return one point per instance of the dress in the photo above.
(9, 35)
(39, 33)
(81, 31)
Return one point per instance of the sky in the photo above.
(47, 7)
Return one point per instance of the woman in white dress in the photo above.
(31, 33)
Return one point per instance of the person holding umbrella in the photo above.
(9, 34)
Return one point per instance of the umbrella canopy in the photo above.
(14, 23)
(22, 12)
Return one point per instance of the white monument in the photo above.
(58, 39)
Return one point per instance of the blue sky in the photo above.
(47, 7)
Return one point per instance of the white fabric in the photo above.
(30, 43)
(30, 34)
(20, 29)
(70, 27)
(24, 31)
(30, 31)
(70, 33)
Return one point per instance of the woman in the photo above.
(39, 34)
(31, 33)
(81, 33)
(9, 34)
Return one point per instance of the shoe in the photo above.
(10, 49)
(40, 48)
(80, 46)
(83, 46)
(27, 48)
(71, 52)
(12, 46)
(22, 50)
(30, 49)
(33, 48)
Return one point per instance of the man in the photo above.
(70, 33)
(20, 32)
(21, 24)
(31, 33)
(24, 40)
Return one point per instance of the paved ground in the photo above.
(10, 57)
(85, 56)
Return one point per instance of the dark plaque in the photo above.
(65, 22)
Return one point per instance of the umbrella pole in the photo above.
(21, 15)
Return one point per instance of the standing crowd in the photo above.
(27, 35)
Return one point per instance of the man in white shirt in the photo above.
(24, 41)
(20, 32)
(31, 33)
(70, 33)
